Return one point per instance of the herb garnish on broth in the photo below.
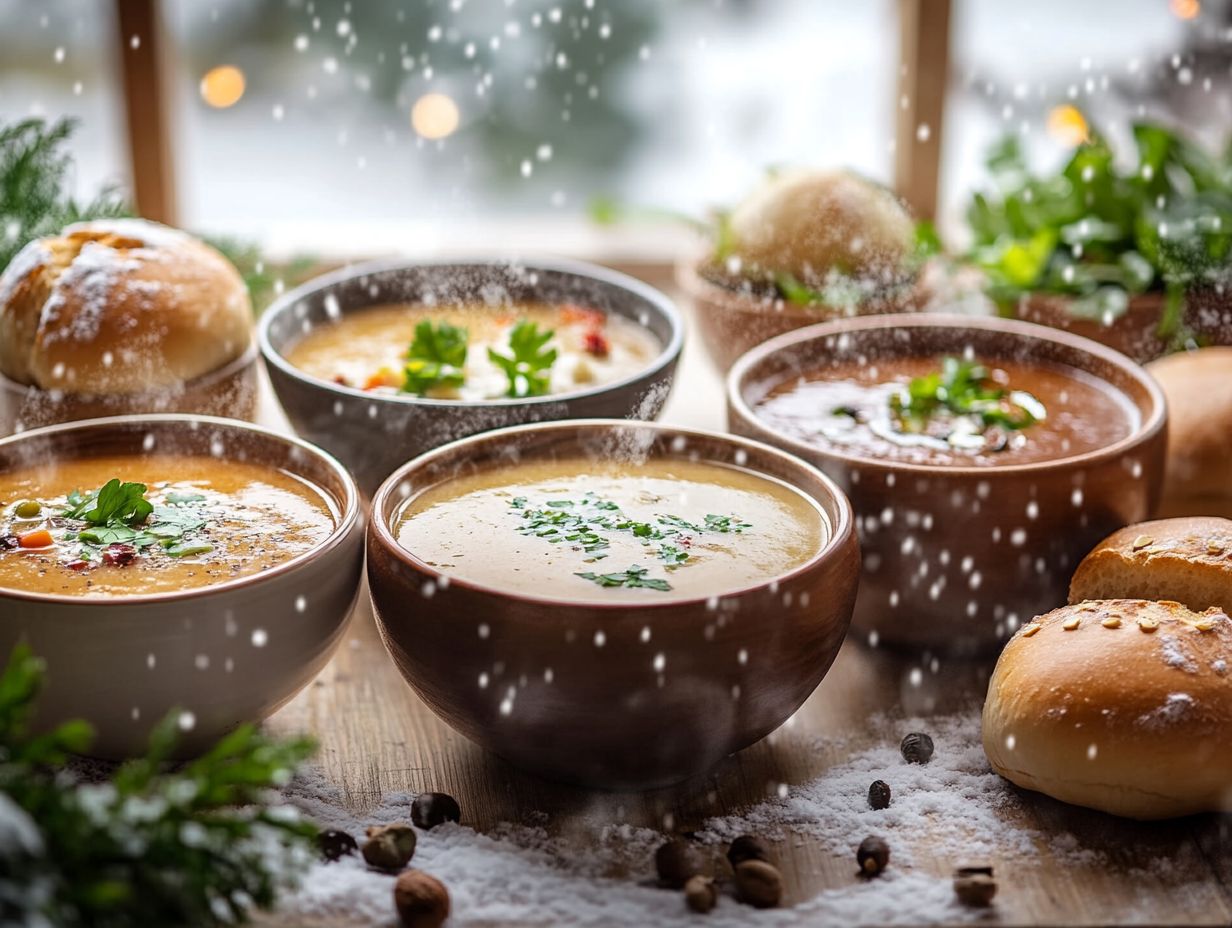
(578, 523)
(961, 404)
(436, 358)
(120, 522)
(528, 366)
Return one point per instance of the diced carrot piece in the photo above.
(39, 538)
(382, 378)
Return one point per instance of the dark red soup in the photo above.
(950, 411)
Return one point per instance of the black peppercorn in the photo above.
(432, 809)
(873, 855)
(747, 847)
(917, 748)
(335, 844)
(879, 794)
(676, 861)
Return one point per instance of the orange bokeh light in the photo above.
(1185, 9)
(223, 86)
(1066, 124)
(434, 116)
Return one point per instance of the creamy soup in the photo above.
(119, 525)
(944, 411)
(578, 530)
(475, 352)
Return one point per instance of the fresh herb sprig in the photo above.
(961, 388)
(119, 513)
(195, 846)
(436, 358)
(633, 577)
(1102, 234)
(529, 362)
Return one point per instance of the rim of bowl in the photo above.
(1019, 330)
(347, 517)
(234, 366)
(667, 355)
(842, 527)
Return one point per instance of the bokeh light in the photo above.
(434, 116)
(1185, 9)
(1067, 125)
(223, 86)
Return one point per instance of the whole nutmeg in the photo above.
(676, 861)
(748, 847)
(879, 795)
(334, 844)
(917, 748)
(758, 884)
(389, 847)
(975, 886)
(432, 809)
(872, 855)
(422, 901)
(700, 894)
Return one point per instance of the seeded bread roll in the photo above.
(1188, 560)
(1119, 705)
(804, 223)
(1198, 387)
(120, 306)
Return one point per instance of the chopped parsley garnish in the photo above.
(672, 556)
(633, 577)
(529, 365)
(119, 514)
(725, 524)
(436, 358)
(936, 403)
(115, 503)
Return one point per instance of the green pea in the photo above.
(28, 509)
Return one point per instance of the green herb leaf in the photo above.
(529, 364)
(436, 358)
(189, 549)
(672, 556)
(634, 577)
(184, 499)
(961, 388)
(115, 503)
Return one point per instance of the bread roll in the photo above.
(806, 222)
(1198, 387)
(1120, 705)
(1185, 560)
(120, 306)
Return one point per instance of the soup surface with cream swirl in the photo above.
(580, 530)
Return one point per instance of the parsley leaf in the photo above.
(634, 577)
(962, 388)
(436, 358)
(528, 366)
(672, 556)
(114, 503)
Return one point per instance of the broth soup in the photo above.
(586, 531)
(947, 411)
(138, 525)
(475, 352)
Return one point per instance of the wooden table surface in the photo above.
(377, 737)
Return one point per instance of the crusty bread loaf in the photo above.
(120, 306)
(1198, 387)
(1120, 705)
(1186, 560)
(804, 223)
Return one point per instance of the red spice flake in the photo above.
(341, 381)
(572, 314)
(119, 554)
(596, 343)
(78, 564)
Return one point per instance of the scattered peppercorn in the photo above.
(676, 861)
(873, 855)
(334, 844)
(917, 748)
(422, 900)
(10, 541)
(700, 894)
(432, 809)
(389, 847)
(975, 886)
(747, 847)
(758, 884)
(879, 794)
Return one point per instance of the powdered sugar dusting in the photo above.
(1175, 654)
(1176, 707)
(92, 278)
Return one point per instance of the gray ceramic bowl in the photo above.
(375, 434)
(223, 654)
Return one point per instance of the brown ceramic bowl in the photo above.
(1136, 333)
(955, 558)
(228, 653)
(732, 321)
(373, 434)
(605, 715)
(230, 391)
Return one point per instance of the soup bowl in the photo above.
(373, 433)
(612, 694)
(956, 557)
(220, 654)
